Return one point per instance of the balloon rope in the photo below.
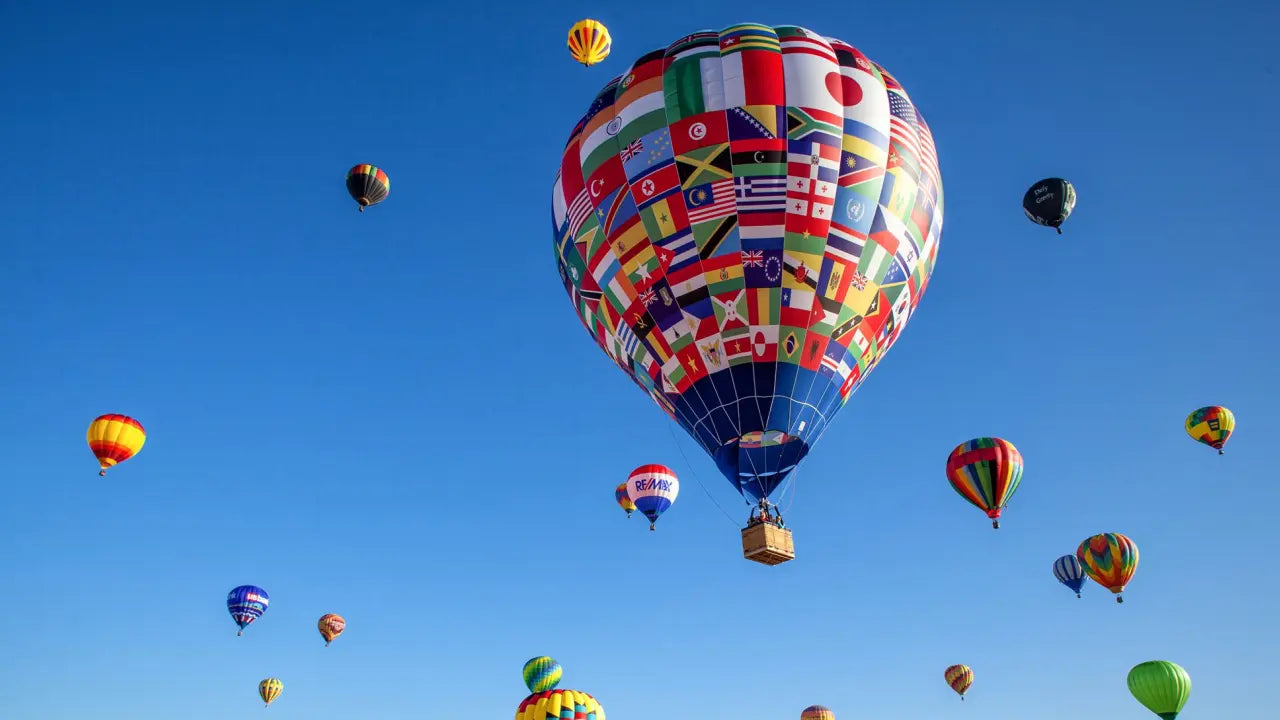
(696, 478)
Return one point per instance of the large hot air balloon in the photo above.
(368, 185)
(589, 41)
(744, 221)
(817, 712)
(270, 689)
(1049, 202)
(986, 471)
(1163, 687)
(652, 489)
(1069, 572)
(1110, 559)
(541, 674)
(246, 603)
(331, 626)
(114, 438)
(1211, 425)
(959, 677)
(624, 502)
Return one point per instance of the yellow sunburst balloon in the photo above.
(114, 438)
(589, 41)
(270, 689)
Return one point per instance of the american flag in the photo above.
(902, 123)
(710, 202)
(928, 153)
(633, 148)
(752, 258)
(578, 212)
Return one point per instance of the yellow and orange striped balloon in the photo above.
(114, 438)
(270, 689)
(817, 712)
(560, 704)
(959, 677)
(589, 41)
(331, 626)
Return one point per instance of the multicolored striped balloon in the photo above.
(589, 41)
(959, 677)
(270, 689)
(817, 712)
(246, 604)
(1163, 687)
(620, 494)
(1069, 572)
(1211, 425)
(331, 626)
(986, 471)
(1110, 559)
(652, 488)
(114, 438)
(542, 674)
(368, 185)
(560, 705)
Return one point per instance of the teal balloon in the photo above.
(542, 674)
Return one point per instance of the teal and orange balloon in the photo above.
(1110, 559)
(542, 674)
(986, 471)
(1211, 425)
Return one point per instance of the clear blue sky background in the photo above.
(395, 415)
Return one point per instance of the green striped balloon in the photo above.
(1160, 685)
(542, 674)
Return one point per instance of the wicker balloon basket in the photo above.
(767, 543)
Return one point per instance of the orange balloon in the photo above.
(331, 626)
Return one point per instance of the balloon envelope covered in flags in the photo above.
(744, 221)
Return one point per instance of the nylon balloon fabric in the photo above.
(1110, 559)
(246, 603)
(1069, 572)
(744, 221)
(986, 471)
(270, 689)
(542, 674)
(1161, 686)
(368, 185)
(1211, 425)
(560, 705)
(331, 626)
(114, 438)
(589, 41)
(817, 712)
(959, 677)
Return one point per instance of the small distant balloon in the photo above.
(959, 677)
(653, 488)
(1163, 687)
(1211, 425)
(270, 689)
(368, 185)
(542, 674)
(589, 41)
(1049, 202)
(620, 495)
(817, 712)
(1069, 572)
(246, 603)
(1110, 559)
(114, 438)
(331, 626)
(986, 471)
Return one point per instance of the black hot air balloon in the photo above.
(368, 184)
(1050, 202)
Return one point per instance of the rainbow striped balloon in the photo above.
(1110, 559)
(986, 471)
(560, 705)
(1211, 425)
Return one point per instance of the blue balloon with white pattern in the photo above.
(1069, 572)
(246, 604)
(652, 489)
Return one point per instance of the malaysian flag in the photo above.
(761, 194)
(711, 201)
(579, 210)
(902, 123)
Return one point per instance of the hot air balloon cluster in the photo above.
(545, 701)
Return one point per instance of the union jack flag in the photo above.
(648, 297)
(632, 149)
(753, 258)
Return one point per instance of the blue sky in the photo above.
(395, 416)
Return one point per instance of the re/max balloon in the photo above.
(246, 603)
(652, 489)
(744, 221)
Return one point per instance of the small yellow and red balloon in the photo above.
(331, 626)
(270, 689)
(114, 438)
(959, 677)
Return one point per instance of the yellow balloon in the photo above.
(554, 703)
(114, 438)
(270, 689)
(589, 41)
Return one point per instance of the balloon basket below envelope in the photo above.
(767, 544)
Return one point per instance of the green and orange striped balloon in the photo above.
(114, 438)
(986, 471)
(1110, 559)
(368, 185)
